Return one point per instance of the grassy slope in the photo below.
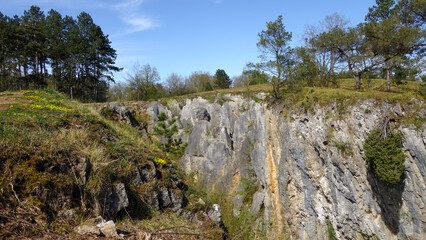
(42, 135)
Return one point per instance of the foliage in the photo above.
(76, 51)
(142, 83)
(321, 61)
(166, 129)
(391, 35)
(344, 147)
(385, 156)
(249, 186)
(221, 79)
(276, 54)
(175, 85)
(199, 82)
(331, 234)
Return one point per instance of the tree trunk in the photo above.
(357, 77)
(387, 76)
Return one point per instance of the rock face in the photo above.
(114, 200)
(303, 177)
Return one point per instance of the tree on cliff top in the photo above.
(276, 54)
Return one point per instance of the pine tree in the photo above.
(221, 79)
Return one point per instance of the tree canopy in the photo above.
(221, 79)
(71, 55)
(276, 54)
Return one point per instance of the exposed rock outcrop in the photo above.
(304, 176)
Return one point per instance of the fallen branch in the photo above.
(158, 232)
(19, 220)
(186, 234)
(164, 229)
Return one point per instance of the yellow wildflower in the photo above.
(160, 161)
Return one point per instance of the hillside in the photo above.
(63, 165)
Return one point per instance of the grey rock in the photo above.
(237, 203)
(148, 172)
(88, 230)
(108, 229)
(164, 197)
(126, 114)
(177, 198)
(305, 178)
(257, 202)
(155, 203)
(202, 114)
(114, 200)
(215, 214)
(136, 177)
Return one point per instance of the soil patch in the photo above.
(10, 98)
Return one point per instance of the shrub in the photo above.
(385, 156)
(167, 129)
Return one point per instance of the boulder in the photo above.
(88, 230)
(108, 229)
(114, 200)
(164, 198)
(257, 202)
(215, 215)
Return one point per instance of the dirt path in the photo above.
(10, 98)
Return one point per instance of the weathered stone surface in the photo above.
(257, 202)
(108, 229)
(148, 172)
(125, 113)
(296, 160)
(98, 227)
(215, 215)
(238, 203)
(177, 198)
(88, 230)
(114, 200)
(164, 197)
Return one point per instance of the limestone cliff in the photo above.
(308, 164)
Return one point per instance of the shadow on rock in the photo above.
(389, 199)
(138, 209)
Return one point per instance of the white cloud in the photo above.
(140, 23)
(130, 13)
(128, 5)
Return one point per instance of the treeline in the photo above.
(143, 83)
(70, 55)
(389, 44)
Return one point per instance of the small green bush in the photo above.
(167, 129)
(385, 156)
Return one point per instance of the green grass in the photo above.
(44, 134)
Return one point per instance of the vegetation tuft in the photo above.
(383, 153)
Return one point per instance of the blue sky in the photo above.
(183, 36)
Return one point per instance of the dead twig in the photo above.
(159, 232)
(164, 229)
(34, 226)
